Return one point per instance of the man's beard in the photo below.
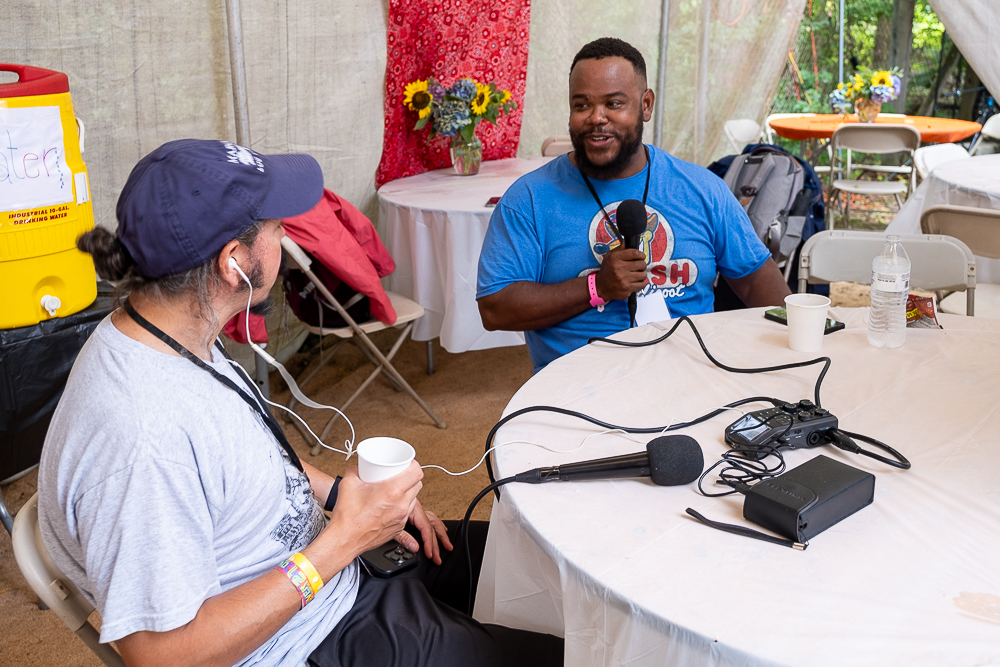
(630, 144)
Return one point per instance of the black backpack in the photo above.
(310, 306)
(770, 185)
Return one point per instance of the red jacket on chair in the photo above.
(345, 241)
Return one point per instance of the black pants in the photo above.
(413, 620)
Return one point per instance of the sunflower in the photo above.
(505, 97)
(882, 79)
(417, 98)
(482, 99)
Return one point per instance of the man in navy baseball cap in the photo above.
(168, 492)
(188, 198)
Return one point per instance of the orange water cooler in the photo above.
(44, 201)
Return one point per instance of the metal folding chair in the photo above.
(556, 145)
(406, 312)
(878, 138)
(978, 228)
(937, 262)
(741, 131)
(52, 587)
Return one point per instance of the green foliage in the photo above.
(861, 19)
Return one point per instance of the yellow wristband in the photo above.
(308, 569)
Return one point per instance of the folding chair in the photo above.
(979, 228)
(870, 138)
(52, 587)
(406, 312)
(991, 129)
(740, 132)
(937, 262)
(926, 158)
(557, 145)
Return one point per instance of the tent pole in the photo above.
(701, 83)
(237, 69)
(661, 76)
(840, 53)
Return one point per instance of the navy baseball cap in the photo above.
(187, 199)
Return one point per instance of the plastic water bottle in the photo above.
(890, 287)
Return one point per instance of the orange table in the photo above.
(822, 126)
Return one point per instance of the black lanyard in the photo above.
(269, 420)
(645, 192)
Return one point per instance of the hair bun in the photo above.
(111, 259)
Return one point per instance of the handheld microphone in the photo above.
(631, 221)
(671, 460)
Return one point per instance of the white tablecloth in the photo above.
(435, 224)
(974, 182)
(621, 571)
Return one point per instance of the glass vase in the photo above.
(466, 155)
(867, 109)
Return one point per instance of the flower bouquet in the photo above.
(866, 93)
(455, 112)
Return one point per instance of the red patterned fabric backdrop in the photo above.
(451, 39)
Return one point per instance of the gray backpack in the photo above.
(769, 186)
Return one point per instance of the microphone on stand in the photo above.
(630, 218)
(670, 460)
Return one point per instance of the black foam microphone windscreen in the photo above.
(630, 217)
(675, 459)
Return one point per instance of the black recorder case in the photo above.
(804, 501)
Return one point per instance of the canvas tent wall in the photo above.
(142, 73)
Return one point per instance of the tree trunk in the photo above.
(883, 40)
(902, 43)
(967, 103)
(950, 58)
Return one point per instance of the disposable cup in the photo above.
(806, 321)
(381, 458)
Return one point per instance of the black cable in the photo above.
(465, 532)
(901, 461)
(731, 369)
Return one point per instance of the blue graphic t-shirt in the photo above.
(548, 228)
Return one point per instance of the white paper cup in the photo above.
(381, 458)
(806, 321)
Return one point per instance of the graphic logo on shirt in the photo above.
(303, 521)
(664, 273)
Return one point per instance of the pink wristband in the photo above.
(595, 301)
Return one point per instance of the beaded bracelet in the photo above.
(303, 576)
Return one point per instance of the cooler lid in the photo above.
(33, 81)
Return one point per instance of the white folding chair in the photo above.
(557, 145)
(926, 158)
(978, 228)
(937, 262)
(407, 311)
(869, 138)
(51, 586)
(991, 129)
(740, 132)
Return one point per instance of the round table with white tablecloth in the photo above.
(435, 224)
(968, 182)
(621, 571)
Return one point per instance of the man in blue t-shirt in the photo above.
(553, 265)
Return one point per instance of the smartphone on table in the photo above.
(780, 315)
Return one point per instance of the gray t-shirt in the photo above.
(159, 488)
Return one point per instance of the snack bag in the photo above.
(921, 313)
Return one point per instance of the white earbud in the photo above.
(233, 263)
